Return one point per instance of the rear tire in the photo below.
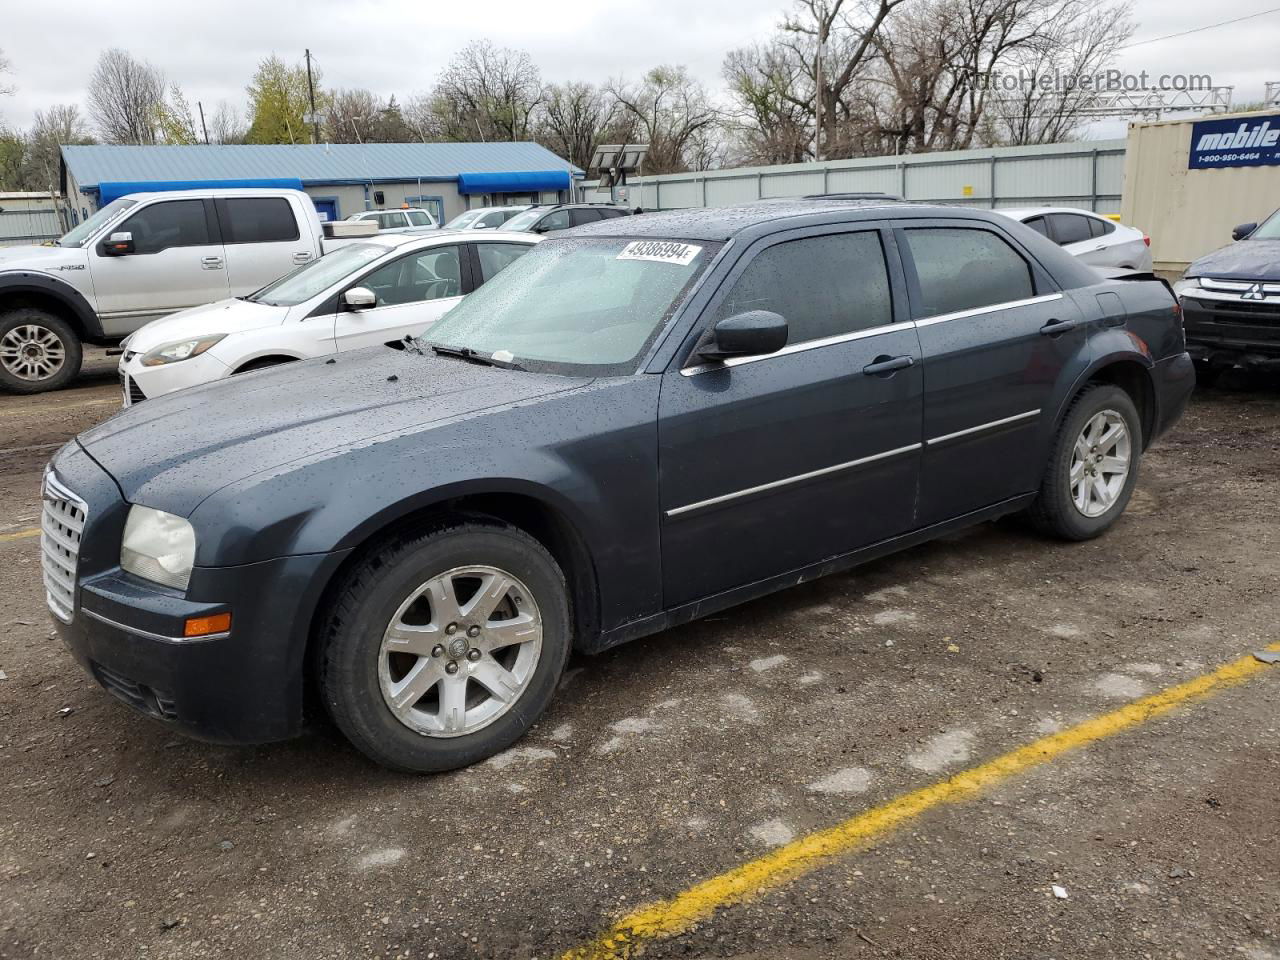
(1093, 466)
(443, 648)
(38, 351)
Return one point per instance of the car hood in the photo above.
(223, 316)
(174, 451)
(40, 259)
(1242, 260)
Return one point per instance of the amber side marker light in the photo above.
(203, 626)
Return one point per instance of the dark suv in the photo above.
(1231, 301)
(638, 423)
(563, 216)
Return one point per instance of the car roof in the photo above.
(215, 192)
(429, 238)
(508, 206)
(1019, 213)
(763, 216)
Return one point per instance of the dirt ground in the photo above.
(678, 757)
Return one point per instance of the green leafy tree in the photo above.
(279, 103)
(173, 120)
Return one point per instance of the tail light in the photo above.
(1146, 240)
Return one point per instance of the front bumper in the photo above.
(245, 686)
(1229, 332)
(138, 383)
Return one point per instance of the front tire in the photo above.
(444, 648)
(1092, 467)
(38, 351)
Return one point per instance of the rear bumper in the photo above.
(1233, 332)
(1173, 379)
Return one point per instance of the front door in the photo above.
(770, 464)
(413, 291)
(177, 262)
(997, 337)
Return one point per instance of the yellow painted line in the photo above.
(20, 534)
(672, 917)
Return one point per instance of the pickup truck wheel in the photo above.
(442, 650)
(38, 351)
(1093, 466)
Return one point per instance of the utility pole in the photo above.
(203, 128)
(817, 106)
(311, 92)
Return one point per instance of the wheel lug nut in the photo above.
(437, 651)
(451, 667)
(473, 654)
(451, 629)
(473, 631)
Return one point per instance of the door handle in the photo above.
(1057, 327)
(884, 365)
(301, 257)
(211, 263)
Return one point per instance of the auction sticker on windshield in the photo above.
(661, 251)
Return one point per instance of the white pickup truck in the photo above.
(138, 258)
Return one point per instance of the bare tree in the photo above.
(670, 111)
(769, 92)
(575, 118)
(174, 122)
(350, 116)
(124, 96)
(60, 125)
(486, 93)
(226, 124)
(5, 89)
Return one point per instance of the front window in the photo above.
(318, 275)
(1269, 229)
(587, 307)
(112, 211)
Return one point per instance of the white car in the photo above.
(404, 220)
(376, 291)
(484, 218)
(1088, 236)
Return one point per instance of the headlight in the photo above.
(1185, 285)
(179, 350)
(158, 546)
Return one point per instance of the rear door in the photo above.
(177, 262)
(413, 291)
(772, 463)
(997, 336)
(263, 240)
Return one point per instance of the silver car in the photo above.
(1089, 236)
(484, 218)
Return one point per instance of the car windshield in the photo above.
(523, 221)
(112, 211)
(1269, 229)
(463, 220)
(586, 307)
(319, 275)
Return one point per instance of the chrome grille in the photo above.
(61, 526)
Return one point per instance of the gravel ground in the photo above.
(677, 757)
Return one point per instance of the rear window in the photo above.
(1069, 227)
(258, 220)
(1100, 228)
(963, 269)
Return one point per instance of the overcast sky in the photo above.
(399, 46)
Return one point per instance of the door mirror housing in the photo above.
(359, 298)
(1243, 230)
(118, 244)
(749, 334)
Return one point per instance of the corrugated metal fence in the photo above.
(25, 221)
(1088, 174)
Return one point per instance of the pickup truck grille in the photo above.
(61, 526)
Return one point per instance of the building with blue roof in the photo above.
(342, 178)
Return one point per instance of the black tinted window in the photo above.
(823, 286)
(172, 223)
(960, 269)
(258, 220)
(1038, 225)
(1100, 228)
(586, 216)
(1069, 227)
(495, 257)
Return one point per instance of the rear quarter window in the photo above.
(258, 220)
(961, 268)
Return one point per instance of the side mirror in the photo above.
(1243, 230)
(359, 298)
(118, 244)
(749, 334)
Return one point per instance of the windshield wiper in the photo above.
(473, 356)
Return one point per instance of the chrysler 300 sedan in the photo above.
(634, 425)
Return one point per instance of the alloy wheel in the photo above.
(32, 352)
(460, 651)
(1100, 463)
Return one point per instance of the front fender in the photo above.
(14, 283)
